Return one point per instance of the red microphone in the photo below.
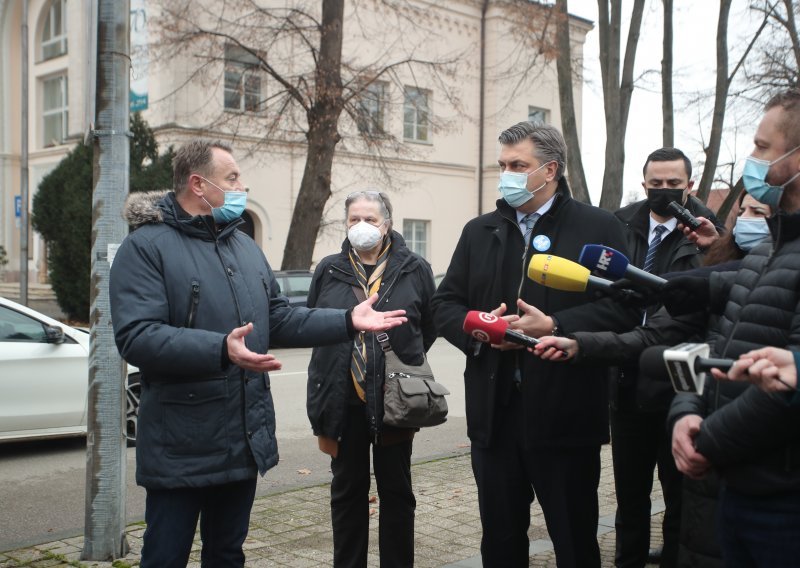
(488, 328)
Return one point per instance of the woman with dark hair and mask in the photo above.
(345, 382)
(749, 230)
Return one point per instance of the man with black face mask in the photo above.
(639, 439)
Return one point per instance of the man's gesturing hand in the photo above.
(367, 319)
(241, 356)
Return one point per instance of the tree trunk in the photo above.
(667, 111)
(720, 97)
(616, 93)
(791, 27)
(322, 136)
(569, 126)
(731, 200)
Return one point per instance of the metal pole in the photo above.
(23, 226)
(106, 446)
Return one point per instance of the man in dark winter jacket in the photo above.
(195, 305)
(752, 438)
(639, 405)
(536, 427)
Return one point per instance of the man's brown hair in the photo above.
(789, 101)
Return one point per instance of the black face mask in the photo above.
(658, 200)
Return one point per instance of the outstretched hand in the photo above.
(367, 319)
(242, 357)
(532, 321)
(552, 348)
(500, 311)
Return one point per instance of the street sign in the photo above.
(17, 206)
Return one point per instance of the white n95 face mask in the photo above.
(363, 236)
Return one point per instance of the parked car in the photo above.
(294, 285)
(438, 279)
(44, 377)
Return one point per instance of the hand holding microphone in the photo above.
(771, 369)
(489, 328)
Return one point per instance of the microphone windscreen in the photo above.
(485, 327)
(559, 273)
(652, 365)
(604, 259)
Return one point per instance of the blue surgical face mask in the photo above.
(513, 187)
(232, 207)
(754, 177)
(749, 231)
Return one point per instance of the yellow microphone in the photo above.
(562, 274)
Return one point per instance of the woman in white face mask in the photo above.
(345, 382)
(750, 229)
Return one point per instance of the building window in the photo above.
(415, 232)
(54, 110)
(416, 110)
(538, 115)
(242, 80)
(371, 106)
(54, 33)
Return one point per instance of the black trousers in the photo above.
(350, 497)
(171, 516)
(509, 477)
(639, 443)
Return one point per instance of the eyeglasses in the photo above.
(371, 193)
(244, 188)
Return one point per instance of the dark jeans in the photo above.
(171, 516)
(759, 531)
(350, 497)
(509, 476)
(639, 443)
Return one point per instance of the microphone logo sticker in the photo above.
(541, 243)
(486, 317)
(604, 260)
(480, 335)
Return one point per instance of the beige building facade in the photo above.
(441, 169)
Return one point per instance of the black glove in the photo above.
(683, 295)
(628, 294)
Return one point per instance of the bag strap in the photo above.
(383, 337)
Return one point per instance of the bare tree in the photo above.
(777, 58)
(319, 95)
(569, 126)
(617, 91)
(667, 107)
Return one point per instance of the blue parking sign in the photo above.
(17, 206)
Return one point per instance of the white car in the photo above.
(44, 377)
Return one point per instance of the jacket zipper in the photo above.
(195, 300)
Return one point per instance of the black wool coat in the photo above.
(566, 404)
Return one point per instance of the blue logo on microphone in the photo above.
(541, 243)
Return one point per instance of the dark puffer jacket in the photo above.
(753, 438)
(178, 287)
(406, 284)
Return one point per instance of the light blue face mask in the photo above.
(513, 187)
(754, 178)
(232, 207)
(749, 231)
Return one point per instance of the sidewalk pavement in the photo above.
(293, 528)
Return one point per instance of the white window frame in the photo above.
(538, 115)
(61, 110)
(247, 66)
(372, 109)
(419, 246)
(418, 129)
(54, 37)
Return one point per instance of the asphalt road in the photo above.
(42, 484)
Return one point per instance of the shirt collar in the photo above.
(541, 211)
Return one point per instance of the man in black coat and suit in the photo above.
(639, 404)
(536, 427)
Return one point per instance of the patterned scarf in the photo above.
(358, 362)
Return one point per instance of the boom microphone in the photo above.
(616, 265)
(685, 365)
(488, 328)
(562, 274)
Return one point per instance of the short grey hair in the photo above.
(193, 157)
(371, 195)
(549, 145)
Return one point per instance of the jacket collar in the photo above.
(784, 226)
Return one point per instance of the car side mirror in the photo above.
(53, 334)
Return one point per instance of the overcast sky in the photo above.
(694, 39)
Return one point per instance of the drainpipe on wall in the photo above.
(23, 214)
(481, 99)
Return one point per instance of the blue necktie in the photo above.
(651, 250)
